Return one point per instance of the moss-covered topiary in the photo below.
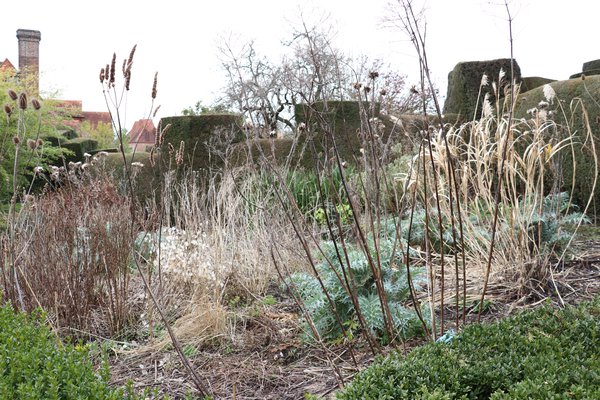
(464, 82)
(532, 82)
(342, 118)
(567, 92)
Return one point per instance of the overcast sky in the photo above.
(178, 38)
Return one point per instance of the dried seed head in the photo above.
(130, 59)
(23, 101)
(8, 110)
(373, 75)
(152, 152)
(180, 152)
(102, 75)
(155, 111)
(583, 77)
(40, 142)
(357, 85)
(32, 144)
(112, 68)
(12, 94)
(383, 92)
(161, 136)
(367, 89)
(124, 68)
(36, 104)
(127, 79)
(16, 140)
(154, 85)
(107, 72)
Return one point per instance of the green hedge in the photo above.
(544, 354)
(588, 91)
(197, 132)
(35, 365)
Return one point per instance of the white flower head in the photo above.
(501, 75)
(549, 93)
(484, 80)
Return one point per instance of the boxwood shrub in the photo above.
(541, 354)
(35, 364)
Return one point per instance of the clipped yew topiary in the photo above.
(579, 98)
(542, 354)
(464, 83)
(204, 136)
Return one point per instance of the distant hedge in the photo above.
(543, 354)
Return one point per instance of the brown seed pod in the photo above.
(32, 144)
(373, 75)
(36, 104)
(12, 94)
(101, 75)
(8, 110)
(23, 101)
(16, 140)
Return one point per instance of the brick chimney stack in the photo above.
(29, 59)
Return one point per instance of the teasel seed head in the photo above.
(12, 94)
(107, 72)
(40, 142)
(23, 101)
(373, 75)
(36, 104)
(383, 92)
(154, 85)
(102, 75)
(8, 110)
(357, 85)
(32, 144)
(367, 89)
(16, 140)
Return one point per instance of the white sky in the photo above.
(178, 38)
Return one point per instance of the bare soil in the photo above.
(267, 360)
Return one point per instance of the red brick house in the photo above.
(142, 135)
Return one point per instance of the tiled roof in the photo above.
(6, 65)
(142, 132)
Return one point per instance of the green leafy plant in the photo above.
(395, 283)
(540, 354)
(36, 365)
